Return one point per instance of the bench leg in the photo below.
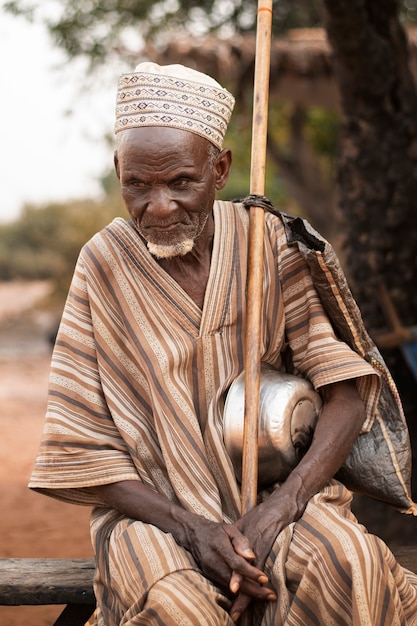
(75, 615)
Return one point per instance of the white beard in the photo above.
(161, 251)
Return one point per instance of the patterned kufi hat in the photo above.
(174, 96)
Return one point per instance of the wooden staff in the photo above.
(255, 266)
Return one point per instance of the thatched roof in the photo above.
(301, 63)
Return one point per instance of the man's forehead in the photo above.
(159, 135)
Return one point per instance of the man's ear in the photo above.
(222, 167)
(116, 164)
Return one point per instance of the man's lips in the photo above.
(163, 229)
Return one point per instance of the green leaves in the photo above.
(100, 29)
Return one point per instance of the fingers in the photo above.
(237, 579)
(243, 570)
(235, 582)
(250, 588)
(257, 592)
(239, 606)
(240, 543)
(243, 600)
(246, 569)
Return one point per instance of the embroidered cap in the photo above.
(174, 96)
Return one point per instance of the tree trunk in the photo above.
(377, 165)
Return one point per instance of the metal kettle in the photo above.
(288, 411)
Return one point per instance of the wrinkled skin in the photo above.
(168, 183)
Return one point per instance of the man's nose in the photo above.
(161, 203)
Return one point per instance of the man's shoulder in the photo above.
(298, 230)
(117, 235)
(230, 211)
(118, 227)
(238, 206)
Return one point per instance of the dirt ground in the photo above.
(32, 525)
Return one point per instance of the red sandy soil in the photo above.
(31, 525)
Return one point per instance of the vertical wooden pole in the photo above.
(255, 266)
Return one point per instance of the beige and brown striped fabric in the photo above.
(326, 569)
(139, 372)
(330, 572)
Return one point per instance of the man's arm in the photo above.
(338, 426)
(339, 423)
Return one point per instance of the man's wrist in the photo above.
(184, 527)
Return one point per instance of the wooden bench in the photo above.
(50, 581)
(70, 582)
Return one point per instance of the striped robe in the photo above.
(138, 380)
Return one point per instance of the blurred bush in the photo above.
(44, 243)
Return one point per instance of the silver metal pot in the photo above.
(288, 411)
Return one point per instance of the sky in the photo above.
(53, 121)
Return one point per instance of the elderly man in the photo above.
(150, 341)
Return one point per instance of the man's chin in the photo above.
(161, 251)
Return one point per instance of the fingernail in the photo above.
(272, 597)
(250, 553)
(234, 587)
(235, 616)
(263, 579)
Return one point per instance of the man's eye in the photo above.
(180, 182)
(137, 183)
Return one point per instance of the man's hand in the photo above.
(225, 556)
(262, 526)
(219, 549)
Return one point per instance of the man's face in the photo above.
(168, 183)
